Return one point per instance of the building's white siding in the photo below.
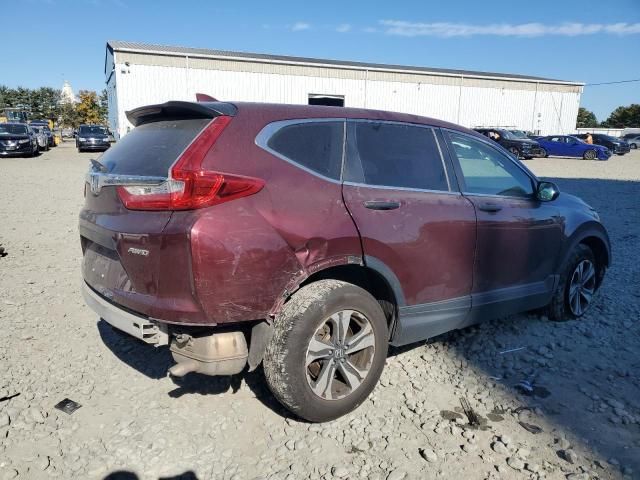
(145, 78)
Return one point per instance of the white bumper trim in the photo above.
(135, 325)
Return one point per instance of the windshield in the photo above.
(9, 129)
(93, 130)
(518, 134)
(610, 138)
(507, 134)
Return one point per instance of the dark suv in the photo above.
(309, 238)
(92, 137)
(517, 143)
(615, 145)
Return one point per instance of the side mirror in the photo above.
(547, 191)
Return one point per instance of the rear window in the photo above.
(314, 145)
(394, 155)
(152, 148)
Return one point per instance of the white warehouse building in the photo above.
(140, 74)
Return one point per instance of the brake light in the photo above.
(189, 186)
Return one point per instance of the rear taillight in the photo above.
(189, 186)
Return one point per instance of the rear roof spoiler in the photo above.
(180, 110)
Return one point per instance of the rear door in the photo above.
(413, 223)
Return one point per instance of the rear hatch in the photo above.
(131, 193)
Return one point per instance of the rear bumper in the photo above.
(135, 325)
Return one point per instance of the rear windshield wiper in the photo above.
(97, 166)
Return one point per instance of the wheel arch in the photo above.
(594, 236)
(374, 277)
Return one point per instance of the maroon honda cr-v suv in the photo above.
(309, 238)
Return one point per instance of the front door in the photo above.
(519, 237)
(413, 222)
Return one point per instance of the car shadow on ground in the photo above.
(595, 361)
(154, 362)
(128, 475)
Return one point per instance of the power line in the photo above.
(611, 83)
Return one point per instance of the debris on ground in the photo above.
(67, 406)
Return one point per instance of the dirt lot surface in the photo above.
(583, 420)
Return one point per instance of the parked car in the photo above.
(92, 137)
(240, 233)
(41, 136)
(17, 139)
(615, 145)
(633, 139)
(44, 124)
(520, 147)
(570, 146)
(67, 133)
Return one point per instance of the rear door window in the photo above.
(394, 155)
(152, 148)
(316, 146)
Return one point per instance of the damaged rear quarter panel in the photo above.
(248, 252)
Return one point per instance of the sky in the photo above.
(585, 41)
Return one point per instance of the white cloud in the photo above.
(448, 29)
(343, 28)
(300, 26)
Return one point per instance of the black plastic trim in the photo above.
(419, 322)
(178, 110)
(380, 267)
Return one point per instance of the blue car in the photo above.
(568, 146)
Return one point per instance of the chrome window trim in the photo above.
(406, 124)
(526, 199)
(404, 189)
(270, 129)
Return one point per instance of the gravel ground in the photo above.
(583, 420)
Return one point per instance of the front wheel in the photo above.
(328, 350)
(633, 146)
(590, 155)
(543, 153)
(577, 286)
(515, 152)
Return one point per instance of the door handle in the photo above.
(381, 205)
(489, 207)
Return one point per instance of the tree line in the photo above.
(46, 103)
(621, 117)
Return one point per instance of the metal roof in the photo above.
(138, 47)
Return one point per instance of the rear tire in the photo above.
(306, 358)
(590, 155)
(563, 306)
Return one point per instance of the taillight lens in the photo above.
(189, 186)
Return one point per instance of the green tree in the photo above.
(104, 107)
(89, 107)
(45, 103)
(586, 119)
(69, 116)
(621, 117)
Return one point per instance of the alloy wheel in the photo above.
(590, 155)
(340, 354)
(582, 287)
